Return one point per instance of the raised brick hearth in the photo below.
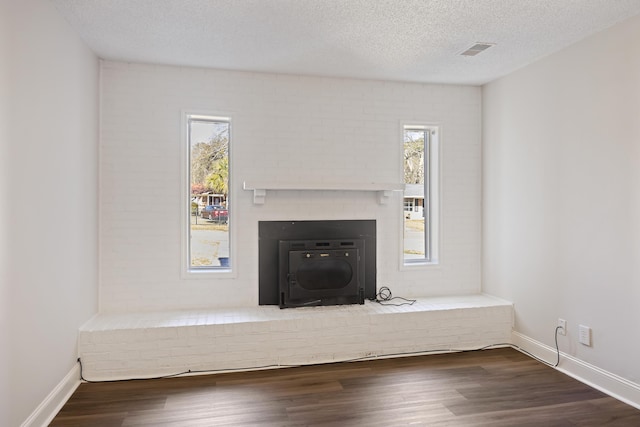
(116, 346)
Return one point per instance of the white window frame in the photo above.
(214, 272)
(432, 201)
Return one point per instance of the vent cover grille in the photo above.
(476, 49)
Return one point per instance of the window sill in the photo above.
(208, 274)
(419, 265)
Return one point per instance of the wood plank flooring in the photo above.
(500, 387)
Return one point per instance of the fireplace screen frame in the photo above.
(321, 272)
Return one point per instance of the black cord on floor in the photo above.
(415, 353)
(384, 296)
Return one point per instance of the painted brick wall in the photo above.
(286, 129)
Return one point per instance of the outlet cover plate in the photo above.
(562, 324)
(584, 335)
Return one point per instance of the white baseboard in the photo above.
(611, 384)
(47, 410)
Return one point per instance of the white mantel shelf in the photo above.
(260, 189)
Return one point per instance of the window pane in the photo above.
(415, 218)
(209, 188)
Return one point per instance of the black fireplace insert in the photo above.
(315, 268)
(321, 272)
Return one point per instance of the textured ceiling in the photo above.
(402, 40)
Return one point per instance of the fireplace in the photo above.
(306, 263)
(320, 272)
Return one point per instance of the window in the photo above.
(208, 204)
(408, 205)
(420, 201)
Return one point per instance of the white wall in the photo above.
(561, 193)
(286, 129)
(5, 360)
(49, 203)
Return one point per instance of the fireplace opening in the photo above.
(326, 272)
(304, 263)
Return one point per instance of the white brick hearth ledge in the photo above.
(141, 345)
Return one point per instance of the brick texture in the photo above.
(285, 129)
(119, 346)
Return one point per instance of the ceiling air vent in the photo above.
(476, 49)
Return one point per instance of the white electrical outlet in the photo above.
(562, 324)
(584, 335)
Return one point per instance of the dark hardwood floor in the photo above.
(500, 387)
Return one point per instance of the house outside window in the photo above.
(421, 194)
